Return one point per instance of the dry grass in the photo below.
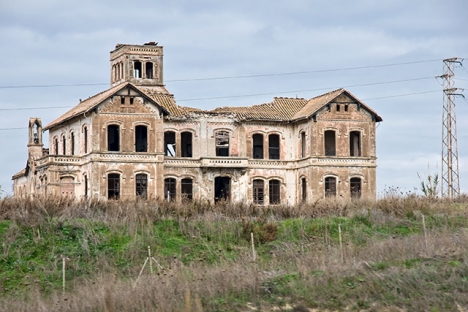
(301, 268)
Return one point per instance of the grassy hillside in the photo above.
(400, 253)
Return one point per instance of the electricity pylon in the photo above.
(450, 174)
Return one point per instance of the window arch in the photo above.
(303, 189)
(257, 146)
(330, 143)
(72, 143)
(355, 143)
(113, 186)
(303, 144)
(330, 187)
(56, 146)
(274, 191)
(141, 185)
(141, 139)
(258, 191)
(113, 138)
(355, 186)
(85, 139)
(274, 146)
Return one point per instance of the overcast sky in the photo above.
(333, 43)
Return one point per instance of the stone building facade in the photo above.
(133, 140)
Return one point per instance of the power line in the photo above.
(375, 98)
(230, 77)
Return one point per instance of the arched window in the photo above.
(303, 144)
(170, 143)
(274, 146)
(257, 148)
(330, 143)
(355, 187)
(222, 143)
(149, 70)
(141, 185)
(85, 139)
(141, 139)
(187, 189)
(113, 138)
(186, 144)
(304, 190)
(86, 186)
(72, 143)
(355, 143)
(64, 145)
(56, 146)
(274, 191)
(137, 69)
(170, 189)
(330, 186)
(258, 192)
(113, 186)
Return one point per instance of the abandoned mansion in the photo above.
(133, 141)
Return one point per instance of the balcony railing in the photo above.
(224, 162)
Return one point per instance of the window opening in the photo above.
(64, 146)
(274, 192)
(170, 143)
(113, 186)
(137, 69)
(141, 185)
(274, 146)
(258, 192)
(346, 107)
(304, 190)
(330, 145)
(170, 189)
(187, 189)
(303, 144)
(141, 139)
(257, 146)
(85, 139)
(86, 186)
(72, 144)
(122, 100)
(355, 143)
(222, 143)
(149, 70)
(222, 189)
(56, 146)
(131, 100)
(186, 144)
(338, 107)
(330, 186)
(355, 187)
(113, 138)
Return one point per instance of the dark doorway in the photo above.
(222, 189)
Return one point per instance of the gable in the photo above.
(130, 101)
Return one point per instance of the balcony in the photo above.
(224, 162)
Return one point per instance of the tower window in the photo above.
(137, 69)
(149, 70)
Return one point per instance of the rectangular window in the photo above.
(187, 189)
(113, 138)
(330, 187)
(304, 190)
(141, 139)
(303, 144)
(274, 146)
(258, 192)
(274, 192)
(222, 143)
(137, 69)
(186, 144)
(141, 185)
(257, 146)
(329, 141)
(72, 143)
(113, 186)
(85, 140)
(64, 146)
(149, 70)
(355, 187)
(170, 143)
(355, 143)
(170, 189)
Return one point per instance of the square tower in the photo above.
(141, 65)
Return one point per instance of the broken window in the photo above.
(72, 143)
(222, 143)
(303, 144)
(304, 190)
(222, 189)
(355, 187)
(187, 189)
(113, 186)
(113, 138)
(170, 189)
(186, 144)
(85, 130)
(330, 186)
(141, 185)
(257, 140)
(274, 146)
(137, 69)
(149, 70)
(170, 143)
(355, 143)
(56, 146)
(274, 192)
(330, 145)
(258, 192)
(141, 139)
(64, 145)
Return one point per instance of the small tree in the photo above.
(429, 185)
